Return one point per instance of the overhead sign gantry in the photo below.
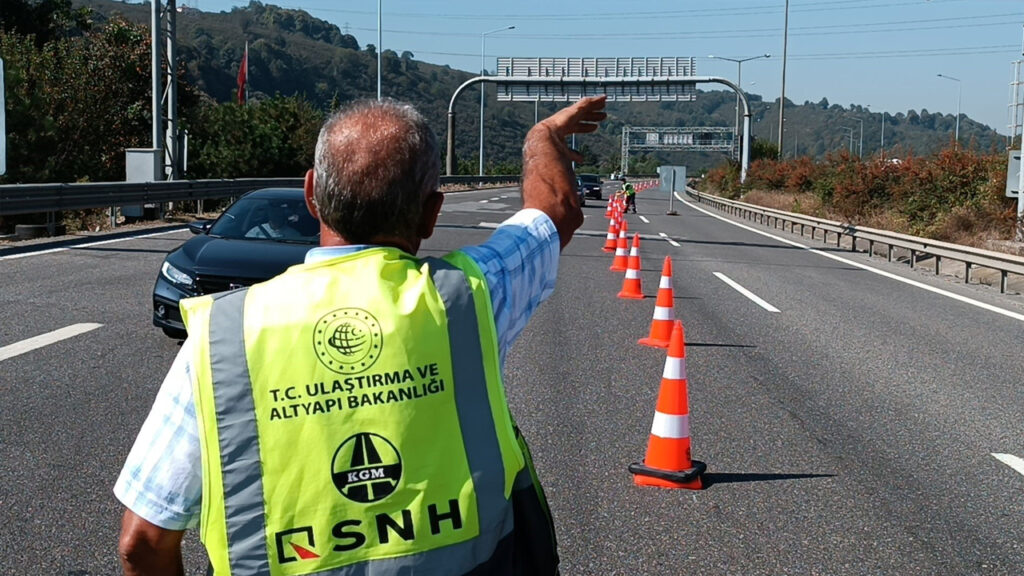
(620, 79)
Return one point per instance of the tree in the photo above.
(46, 20)
(271, 138)
(75, 104)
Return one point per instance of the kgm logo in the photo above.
(366, 468)
(295, 544)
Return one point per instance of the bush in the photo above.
(954, 195)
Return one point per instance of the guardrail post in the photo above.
(1002, 281)
(967, 273)
(888, 249)
(871, 248)
(913, 257)
(839, 239)
(853, 243)
(938, 262)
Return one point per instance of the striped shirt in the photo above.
(161, 480)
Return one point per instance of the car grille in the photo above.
(211, 284)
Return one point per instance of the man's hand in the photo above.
(147, 549)
(549, 184)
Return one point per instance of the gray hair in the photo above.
(375, 162)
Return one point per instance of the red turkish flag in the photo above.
(243, 72)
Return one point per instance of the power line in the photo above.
(960, 51)
(845, 29)
(749, 10)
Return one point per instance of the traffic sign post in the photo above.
(670, 178)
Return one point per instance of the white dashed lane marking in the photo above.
(36, 342)
(1012, 461)
(753, 297)
(669, 240)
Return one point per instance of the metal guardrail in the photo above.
(971, 257)
(40, 198)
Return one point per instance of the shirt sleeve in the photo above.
(520, 263)
(161, 480)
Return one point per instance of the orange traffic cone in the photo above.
(631, 284)
(667, 463)
(621, 254)
(664, 310)
(613, 235)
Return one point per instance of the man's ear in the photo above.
(428, 217)
(308, 189)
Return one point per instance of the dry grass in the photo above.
(800, 203)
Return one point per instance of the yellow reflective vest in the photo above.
(352, 420)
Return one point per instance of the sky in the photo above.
(884, 54)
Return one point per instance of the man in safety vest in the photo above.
(348, 416)
(630, 193)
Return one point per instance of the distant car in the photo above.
(592, 185)
(581, 191)
(256, 238)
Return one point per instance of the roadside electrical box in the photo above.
(141, 165)
(1013, 175)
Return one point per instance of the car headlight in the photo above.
(176, 276)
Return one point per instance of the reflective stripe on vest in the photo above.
(246, 531)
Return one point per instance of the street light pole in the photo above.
(782, 96)
(881, 149)
(849, 138)
(483, 90)
(380, 50)
(959, 86)
(739, 82)
(860, 149)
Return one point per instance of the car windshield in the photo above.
(590, 178)
(266, 218)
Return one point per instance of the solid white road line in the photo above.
(1012, 461)
(644, 220)
(889, 275)
(484, 201)
(669, 240)
(88, 245)
(753, 297)
(12, 350)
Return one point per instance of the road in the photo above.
(849, 417)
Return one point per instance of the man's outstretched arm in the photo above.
(146, 549)
(549, 184)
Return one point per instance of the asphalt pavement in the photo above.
(850, 410)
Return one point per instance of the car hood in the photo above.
(257, 259)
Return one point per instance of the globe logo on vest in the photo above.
(348, 340)
(366, 468)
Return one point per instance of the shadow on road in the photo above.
(711, 345)
(712, 478)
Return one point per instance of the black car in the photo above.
(591, 184)
(259, 236)
(581, 192)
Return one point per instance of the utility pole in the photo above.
(380, 50)
(782, 96)
(1019, 236)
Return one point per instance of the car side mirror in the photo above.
(200, 227)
